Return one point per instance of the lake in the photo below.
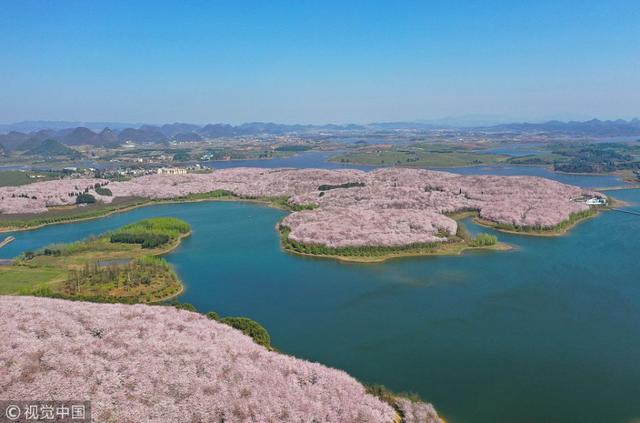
(319, 159)
(547, 332)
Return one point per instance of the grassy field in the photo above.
(103, 269)
(419, 156)
(14, 178)
(16, 279)
(584, 157)
(9, 222)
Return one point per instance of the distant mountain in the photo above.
(593, 127)
(13, 139)
(218, 130)
(268, 128)
(85, 136)
(29, 144)
(148, 135)
(81, 136)
(173, 129)
(186, 132)
(187, 137)
(51, 148)
(404, 125)
(108, 137)
(36, 125)
(19, 141)
(42, 134)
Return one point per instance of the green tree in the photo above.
(251, 328)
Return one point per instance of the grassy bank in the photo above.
(558, 230)
(455, 245)
(67, 214)
(419, 155)
(120, 266)
(14, 178)
(74, 213)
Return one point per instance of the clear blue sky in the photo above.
(318, 61)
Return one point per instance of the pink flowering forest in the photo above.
(159, 364)
(388, 207)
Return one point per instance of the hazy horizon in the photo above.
(454, 121)
(299, 62)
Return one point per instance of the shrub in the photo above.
(85, 198)
(250, 328)
(213, 316)
(185, 306)
(147, 240)
(483, 240)
(103, 191)
(151, 233)
(328, 187)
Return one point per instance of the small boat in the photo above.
(7, 240)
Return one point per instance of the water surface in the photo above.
(547, 332)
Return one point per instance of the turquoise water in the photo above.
(548, 332)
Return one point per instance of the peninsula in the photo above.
(123, 266)
(339, 213)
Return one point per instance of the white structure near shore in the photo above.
(172, 171)
(596, 201)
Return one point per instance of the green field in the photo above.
(120, 266)
(14, 178)
(16, 279)
(584, 157)
(419, 155)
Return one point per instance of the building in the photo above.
(172, 171)
(596, 201)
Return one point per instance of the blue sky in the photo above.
(318, 61)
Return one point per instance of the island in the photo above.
(347, 214)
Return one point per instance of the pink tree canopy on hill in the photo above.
(159, 364)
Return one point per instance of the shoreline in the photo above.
(160, 252)
(168, 251)
(617, 188)
(551, 233)
(274, 203)
(149, 202)
(435, 252)
(446, 248)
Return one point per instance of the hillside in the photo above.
(593, 127)
(161, 364)
(85, 136)
(12, 140)
(141, 135)
(50, 148)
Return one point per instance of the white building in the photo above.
(172, 171)
(596, 201)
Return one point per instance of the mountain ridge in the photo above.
(182, 132)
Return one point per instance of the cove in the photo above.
(546, 332)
